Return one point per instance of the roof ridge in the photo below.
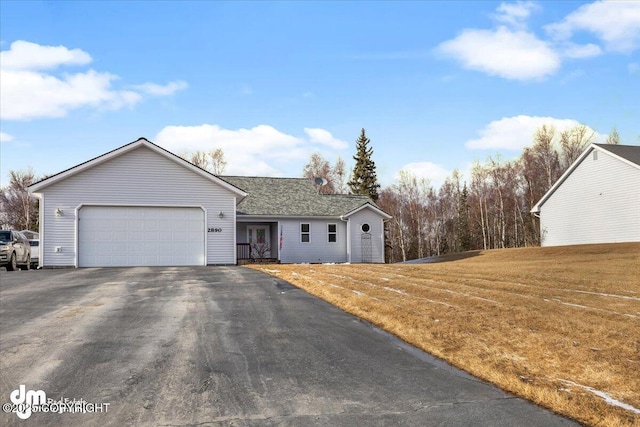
(599, 144)
(262, 177)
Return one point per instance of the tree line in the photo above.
(488, 210)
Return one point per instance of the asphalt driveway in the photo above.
(213, 346)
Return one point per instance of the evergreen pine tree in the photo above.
(363, 179)
(463, 229)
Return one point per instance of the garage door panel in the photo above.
(115, 236)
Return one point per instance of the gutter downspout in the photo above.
(348, 238)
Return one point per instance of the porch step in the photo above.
(258, 261)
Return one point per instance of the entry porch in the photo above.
(257, 242)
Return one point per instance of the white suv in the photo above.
(14, 250)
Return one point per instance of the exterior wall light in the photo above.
(59, 212)
(221, 214)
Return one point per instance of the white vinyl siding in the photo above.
(140, 177)
(599, 202)
(318, 250)
(376, 232)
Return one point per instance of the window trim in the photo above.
(307, 233)
(332, 233)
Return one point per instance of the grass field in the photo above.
(559, 326)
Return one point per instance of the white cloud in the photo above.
(617, 23)
(5, 137)
(513, 52)
(516, 55)
(515, 14)
(324, 137)
(259, 151)
(24, 55)
(28, 95)
(28, 92)
(435, 173)
(160, 90)
(515, 133)
(576, 51)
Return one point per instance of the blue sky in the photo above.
(436, 85)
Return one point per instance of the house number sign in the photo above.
(214, 230)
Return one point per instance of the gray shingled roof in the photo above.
(629, 152)
(290, 197)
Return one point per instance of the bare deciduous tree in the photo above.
(494, 213)
(340, 176)
(573, 142)
(217, 161)
(614, 137)
(19, 208)
(318, 167)
(213, 161)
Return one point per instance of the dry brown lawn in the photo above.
(559, 326)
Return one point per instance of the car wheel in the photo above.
(27, 265)
(12, 263)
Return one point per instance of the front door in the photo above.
(258, 237)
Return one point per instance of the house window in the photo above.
(365, 228)
(332, 233)
(304, 233)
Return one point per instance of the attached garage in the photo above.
(138, 205)
(127, 236)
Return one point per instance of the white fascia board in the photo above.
(369, 206)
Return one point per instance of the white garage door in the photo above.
(117, 236)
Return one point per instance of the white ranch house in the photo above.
(141, 205)
(597, 200)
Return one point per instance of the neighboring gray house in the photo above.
(597, 200)
(141, 205)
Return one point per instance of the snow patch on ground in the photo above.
(357, 292)
(398, 291)
(607, 398)
(584, 307)
(605, 295)
(569, 304)
(471, 296)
